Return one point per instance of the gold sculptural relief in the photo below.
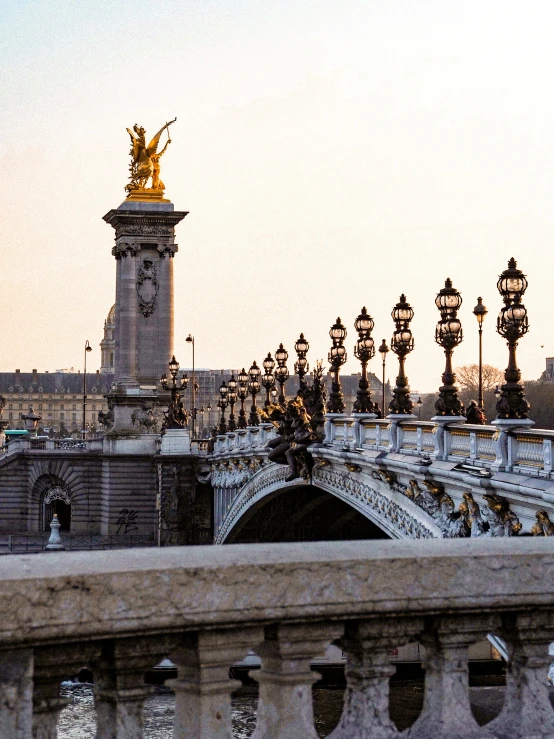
(145, 165)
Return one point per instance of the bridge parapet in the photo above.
(205, 608)
(417, 480)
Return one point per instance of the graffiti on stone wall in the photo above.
(127, 521)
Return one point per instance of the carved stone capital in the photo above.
(167, 250)
(124, 249)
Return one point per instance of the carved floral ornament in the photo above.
(147, 287)
(57, 493)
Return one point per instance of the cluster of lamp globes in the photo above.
(512, 324)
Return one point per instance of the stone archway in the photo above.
(303, 513)
(55, 499)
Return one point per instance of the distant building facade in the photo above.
(56, 396)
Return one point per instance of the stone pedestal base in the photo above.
(175, 441)
(395, 433)
(502, 442)
(441, 424)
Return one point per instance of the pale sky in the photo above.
(332, 154)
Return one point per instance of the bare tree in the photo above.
(468, 377)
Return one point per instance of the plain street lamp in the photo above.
(88, 349)
(254, 387)
(480, 311)
(402, 344)
(190, 340)
(383, 351)
(448, 334)
(337, 357)
(512, 323)
(419, 403)
(364, 351)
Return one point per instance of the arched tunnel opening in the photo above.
(304, 513)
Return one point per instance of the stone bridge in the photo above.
(408, 480)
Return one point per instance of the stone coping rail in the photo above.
(205, 608)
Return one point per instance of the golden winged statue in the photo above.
(145, 163)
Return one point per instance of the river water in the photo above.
(78, 719)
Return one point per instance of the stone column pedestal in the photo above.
(395, 430)
(502, 441)
(439, 434)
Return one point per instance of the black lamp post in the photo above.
(402, 344)
(512, 323)
(364, 351)
(383, 351)
(301, 366)
(232, 386)
(419, 403)
(480, 312)
(223, 403)
(337, 357)
(281, 372)
(242, 392)
(254, 387)
(448, 334)
(176, 416)
(88, 349)
(268, 378)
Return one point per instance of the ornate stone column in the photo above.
(144, 250)
(203, 688)
(16, 693)
(285, 709)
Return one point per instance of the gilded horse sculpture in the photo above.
(145, 162)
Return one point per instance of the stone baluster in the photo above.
(368, 671)
(446, 710)
(16, 693)
(285, 709)
(527, 712)
(547, 455)
(203, 688)
(51, 666)
(119, 687)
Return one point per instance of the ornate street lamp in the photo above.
(222, 404)
(281, 372)
(268, 378)
(364, 351)
(242, 392)
(480, 312)
(337, 357)
(176, 416)
(512, 323)
(448, 334)
(232, 386)
(383, 351)
(301, 366)
(402, 344)
(254, 387)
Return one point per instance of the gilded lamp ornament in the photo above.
(512, 323)
(402, 344)
(448, 334)
(145, 164)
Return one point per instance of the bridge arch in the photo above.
(391, 517)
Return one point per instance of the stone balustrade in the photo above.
(205, 608)
(524, 451)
